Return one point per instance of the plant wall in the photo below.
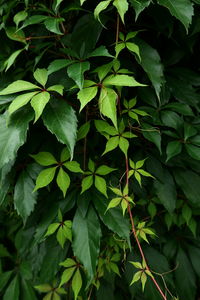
(99, 149)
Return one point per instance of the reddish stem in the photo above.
(136, 238)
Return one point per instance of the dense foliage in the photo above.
(99, 149)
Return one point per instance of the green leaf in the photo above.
(173, 149)
(60, 119)
(180, 9)
(100, 184)
(86, 95)
(73, 166)
(153, 135)
(151, 63)
(12, 291)
(11, 59)
(86, 183)
(133, 48)
(43, 288)
(122, 7)
(63, 181)
(38, 102)
(139, 6)
(113, 218)
(4, 278)
(44, 178)
(83, 131)
(118, 48)
(58, 64)
(27, 290)
(193, 151)
(52, 228)
(57, 4)
(107, 104)
(113, 203)
(91, 165)
(56, 88)
(15, 36)
(136, 277)
(143, 280)
(61, 236)
(13, 135)
(41, 76)
(20, 16)
(189, 182)
(68, 263)
(111, 144)
(186, 213)
(44, 158)
(100, 51)
(121, 80)
(18, 86)
(20, 101)
(123, 145)
(100, 7)
(136, 264)
(104, 170)
(86, 244)
(67, 274)
(52, 24)
(166, 191)
(76, 283)
(24, 198)
(76, 72)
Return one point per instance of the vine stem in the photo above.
(136, 238)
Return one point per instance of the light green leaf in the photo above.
(136, 277)
(86, 240)
(58, 2)
(44, 178)
(41, 76)
(67, 274)
(83, 131)
(100, 184)
(173, 149)
(13, 135)
(61, 236)
(100, 7)
(118, 48)
(60, 119)
(73, 166)
(20, 16)
(76, 72)
(56, 88)
(122, 7)
(11, 59)
(103, 70)
(91, 165)
(63, 181)
(24, 198)
(180, 9)
(20, 101)
(138, 178)
(116, 191)
(133, 48)
(107, 104)
(52, 228)
(121, 80)
(76, 283)
(123, 145)
(86, 95)
(68, 263)
(44, 158)
(136, 264)
(86, 183)
(18, 86)
(48, 296)
(15, 36)
(144, 173)
(111, 144)
(43, 288)
(143, 280)
(64, 155)
(100, 51)
(103, 126)
(140, 163)
(82, 1)
(38, 102)
(186, 213)
(113, 203)
(104, 170)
